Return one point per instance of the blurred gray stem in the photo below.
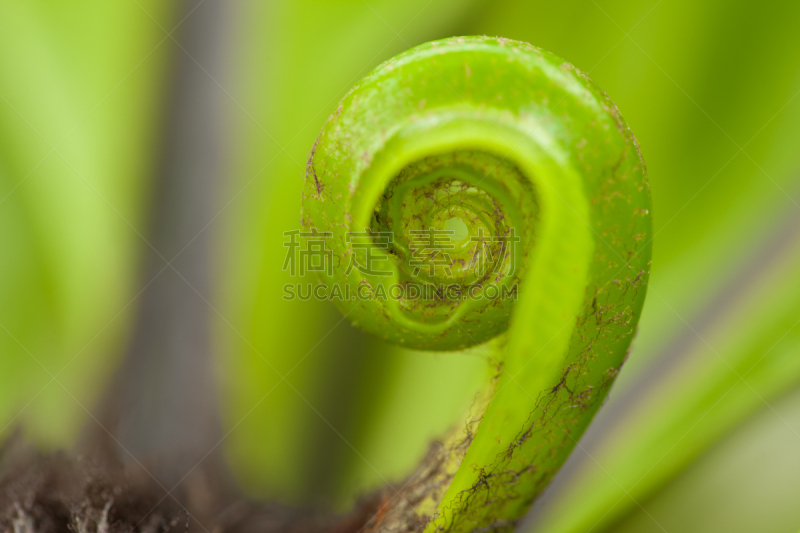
(163, 403)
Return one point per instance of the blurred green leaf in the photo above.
(746, 483)
(79, 89)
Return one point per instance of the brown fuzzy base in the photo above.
(57, 493)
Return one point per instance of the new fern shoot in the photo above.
(483, 192)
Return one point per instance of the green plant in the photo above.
(500, 140)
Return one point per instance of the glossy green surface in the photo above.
(447, 106)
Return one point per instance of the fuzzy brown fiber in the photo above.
(60, 493)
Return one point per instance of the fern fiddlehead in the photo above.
(502, 186)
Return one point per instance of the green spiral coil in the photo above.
(482, 192)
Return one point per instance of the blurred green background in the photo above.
(702, 429)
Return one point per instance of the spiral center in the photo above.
(458, 229)
(454, 221)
